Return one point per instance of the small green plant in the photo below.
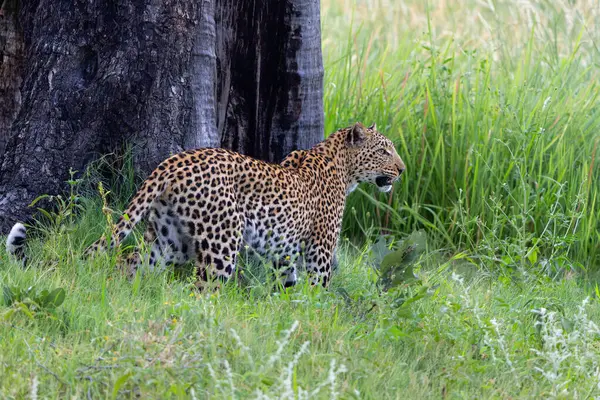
(395, 260)
(66, 207)
(107, 211)
(30, 301)
(395, 263)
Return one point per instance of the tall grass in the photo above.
(494, 108)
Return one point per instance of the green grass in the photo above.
(471, 336)
(494, 109)
(499, 137)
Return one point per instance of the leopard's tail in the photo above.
(15, 242)
(152, 188)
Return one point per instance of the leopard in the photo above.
(15, 241)
(203, 205)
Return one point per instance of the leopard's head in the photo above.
(371, 157)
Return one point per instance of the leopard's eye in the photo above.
(384, 152)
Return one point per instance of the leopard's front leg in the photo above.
(319, 261)
(320, 250)
(320, 255)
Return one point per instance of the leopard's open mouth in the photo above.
(383, 181)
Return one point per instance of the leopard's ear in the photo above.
(356, 135)
(373, 127)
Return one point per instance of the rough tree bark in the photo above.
(164, 75)
(11, 68)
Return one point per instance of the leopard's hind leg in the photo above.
(216, 235)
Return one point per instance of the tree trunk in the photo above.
(11, 68)
(164, 75)
(271, 87)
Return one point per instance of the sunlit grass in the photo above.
(470, 336)
(496, 122)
